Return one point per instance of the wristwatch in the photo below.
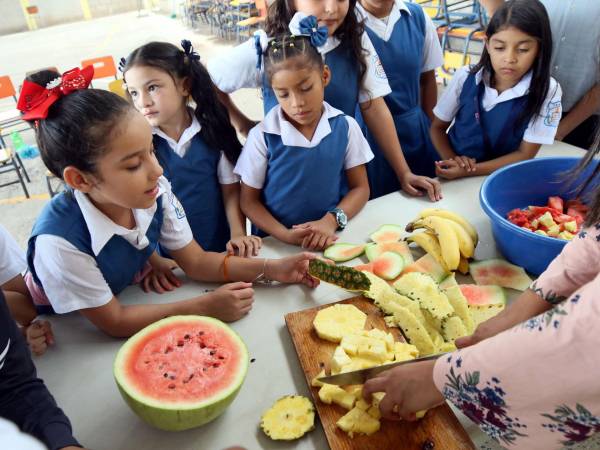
(340, 218)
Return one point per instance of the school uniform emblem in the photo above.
(179, 211)
(379, 71)
(553, 113)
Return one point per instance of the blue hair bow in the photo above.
(259, 50)
(318, 35)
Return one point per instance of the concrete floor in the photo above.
(65, 46)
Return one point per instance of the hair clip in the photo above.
(188, 50)
(122, 64)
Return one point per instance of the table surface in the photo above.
(78, 369)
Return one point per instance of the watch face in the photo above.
(342, 219)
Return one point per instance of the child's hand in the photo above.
(322, 233)
(230, 302)
(244, 246)
(408, 389)
(414, 185)
(161, 278)
(450, 169)
(295, 236)
(469, 164)
(39, 336)
(293, 269)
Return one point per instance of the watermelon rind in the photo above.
(182, 415)
(387, 233)
(395, 261)
(480, 271)
(374, 251)
(342, 252)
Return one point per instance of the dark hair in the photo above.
(349, 32)
(531, 18)
(216, 130)
(78, 127)
(592, 180)
(287, 47)
(43, 77)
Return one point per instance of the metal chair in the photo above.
(10, 162)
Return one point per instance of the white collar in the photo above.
(275, 123)
(102, 229)
(187, 135)
(518, 90)
(382, 27)
(331, 44)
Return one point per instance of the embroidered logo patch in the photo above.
(552, 115)
(179, 211)
(379, 71)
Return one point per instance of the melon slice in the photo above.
(374, 251)
(501, 273)
(343, 252)
(388, 266)
(289, 418)
(387, 233)
(181, 372)
(448, 282)
(427, 264)
(485, 302)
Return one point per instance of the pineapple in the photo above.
(342, 276)
(453, 328)
(404, 352)
(334, 322)
(362, 405)
(374, 412)
(358, 421)
(289, 418)
(461, 307)
(339, 360)
(422, 288)
(414, 331)
(377, 288)
(330, 393)
(315, 381)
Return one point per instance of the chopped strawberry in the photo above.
(556, 203)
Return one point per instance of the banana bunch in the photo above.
(448, 237)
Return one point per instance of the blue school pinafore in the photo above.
(402, 56)
(194, 180)
(485, 135)
(302, 183)
(341, 92)
(119, 261)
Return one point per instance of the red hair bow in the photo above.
(35, 100)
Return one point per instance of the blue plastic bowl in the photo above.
(519, 185)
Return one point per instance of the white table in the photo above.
(78, 370)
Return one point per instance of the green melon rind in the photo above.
(373, 251)
(181, 416)
(384, 229)
(520, 281)
(397, 264)
(331, 252)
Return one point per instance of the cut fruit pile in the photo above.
(559, 219)
(357, 349)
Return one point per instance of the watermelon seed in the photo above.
(252, 360)
(200, 333)
(187, 336)
(216, 365)
(169, 349)
(222, 357)
(204, 369)
(187, 380)
(202, 345)
(165, 375)
(212, 353)
(180, 343)
(171, 386)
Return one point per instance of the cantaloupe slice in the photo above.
(387, 233)
(501, 273)
(343, 252)
(374, 251)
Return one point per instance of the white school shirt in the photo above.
(72, 279)
(384, 27)
(12, 258)
(236, 69)
(224, 168)
(253, 162)
(541, 128)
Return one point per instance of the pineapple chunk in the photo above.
(387, 338)
(339, 360)
(453, 328)
(331, 393)
(421, 414)
(289, 418)
(355, 390)
(547, 220)
(374, 412)
(446, 347)
(334, 322)
(461, 307)
(566, 236)
(422, 288)
(315, 381)
(358, 421)
(373, 349)
(541, 232)
(362, 405)
(414, 331)
(571, 226)
(404, 352)
(553, 231)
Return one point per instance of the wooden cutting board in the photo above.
(439, 427)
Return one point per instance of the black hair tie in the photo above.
(122, 64)
(188, 50)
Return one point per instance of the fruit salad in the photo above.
(559, 218)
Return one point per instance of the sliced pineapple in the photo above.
(315, 381)
(342, 276)
(358, 421)
(425, 290)
(339, 360)
(414, 330)
(453, 328)
(330, 393)
(334, 322)
(404, 351)
(461, 307)
(289, 418)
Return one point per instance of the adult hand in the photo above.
(415, 185)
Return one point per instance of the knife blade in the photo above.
(362, 375)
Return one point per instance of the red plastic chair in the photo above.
(6, 88)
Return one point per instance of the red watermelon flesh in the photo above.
(388, 266)
(184, 362)
(374, 251)
(483, 295)
(501, 273)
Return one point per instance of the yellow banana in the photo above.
(465, 242)
(445, 235)
(463, 266)
(430, 244)
(455, 217)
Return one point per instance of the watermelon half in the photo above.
(343, 252)
(387, 233)
(501, 273)
(181, 372)
(484, 302)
